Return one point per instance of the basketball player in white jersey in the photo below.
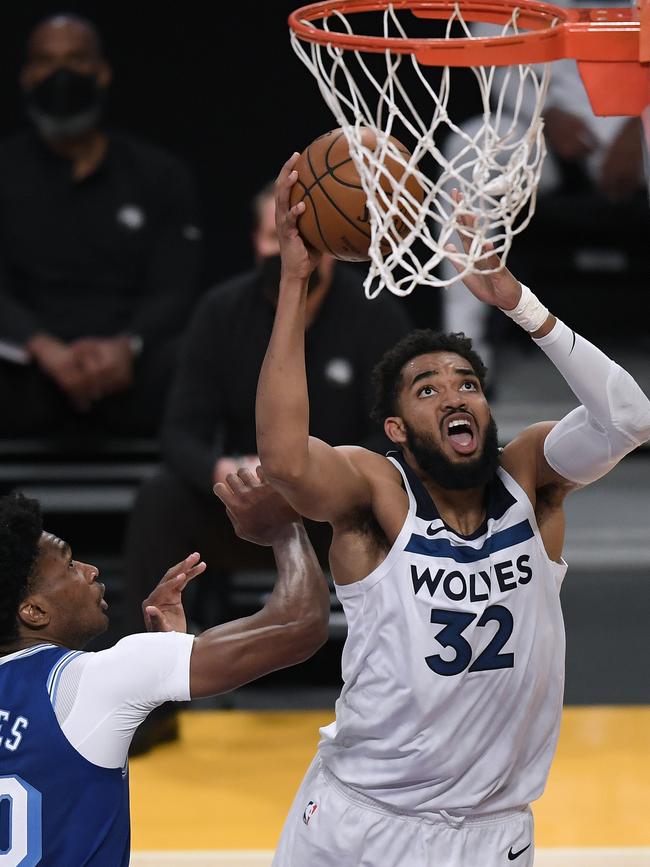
(67, 717)
(447, 558)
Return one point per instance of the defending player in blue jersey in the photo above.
(447, 558)
(67, 717)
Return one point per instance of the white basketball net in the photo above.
(496, 169)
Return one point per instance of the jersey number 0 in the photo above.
(20, 823)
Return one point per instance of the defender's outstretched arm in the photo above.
(293, 623)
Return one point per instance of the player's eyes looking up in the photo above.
(430, 390)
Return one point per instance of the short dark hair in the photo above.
(21, 525)
(387, 373)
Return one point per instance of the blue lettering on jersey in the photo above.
(475, 586)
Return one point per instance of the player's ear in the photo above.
(395, 430)
(33, 612)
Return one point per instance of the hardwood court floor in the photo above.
(229, 782)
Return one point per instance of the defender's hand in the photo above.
(163, 608)
(498, 288)
(257, 512)
(227, 465)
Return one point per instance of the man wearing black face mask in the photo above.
(100, 254)
(209, 430)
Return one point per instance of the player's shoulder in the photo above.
(523, 459)
(138, 655)
(520, 454)
(375, 467)
(523, 444)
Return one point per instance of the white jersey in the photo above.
(453, 666)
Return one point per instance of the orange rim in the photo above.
(552, 32)
(611, 45)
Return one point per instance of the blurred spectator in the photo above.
(209, 430)
(99, 251)
(601, 156)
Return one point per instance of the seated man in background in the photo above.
(99, 251)
(209, 428)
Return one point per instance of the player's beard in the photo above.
(475, 472)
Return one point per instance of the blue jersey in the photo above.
(56, 808)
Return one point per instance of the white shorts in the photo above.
(331, 825)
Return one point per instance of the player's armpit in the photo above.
(331, 482)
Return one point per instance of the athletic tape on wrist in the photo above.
(529, 313)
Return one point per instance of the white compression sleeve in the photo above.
(101, 698)
(614, 417)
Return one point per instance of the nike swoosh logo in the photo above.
(431, 531)
(512, 855)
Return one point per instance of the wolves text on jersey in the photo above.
(475, 586)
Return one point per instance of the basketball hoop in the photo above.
(377, 70)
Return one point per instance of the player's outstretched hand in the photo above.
(499, 287)
(257, 511)
(298, 259)
(163, 608)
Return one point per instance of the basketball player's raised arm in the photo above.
(614, 416)
(293, 623)
(321, 482)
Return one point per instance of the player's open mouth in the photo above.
(460, 430)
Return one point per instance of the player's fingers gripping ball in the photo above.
(336, 218)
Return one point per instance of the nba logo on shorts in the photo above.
(310, 809)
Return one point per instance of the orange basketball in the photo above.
(336, 218)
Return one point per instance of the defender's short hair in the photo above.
(21, 525)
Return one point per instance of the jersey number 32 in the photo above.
(456, 622)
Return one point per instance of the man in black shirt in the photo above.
(209, 428)
(99, 252)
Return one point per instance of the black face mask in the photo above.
(269, 270)
(65, 104)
